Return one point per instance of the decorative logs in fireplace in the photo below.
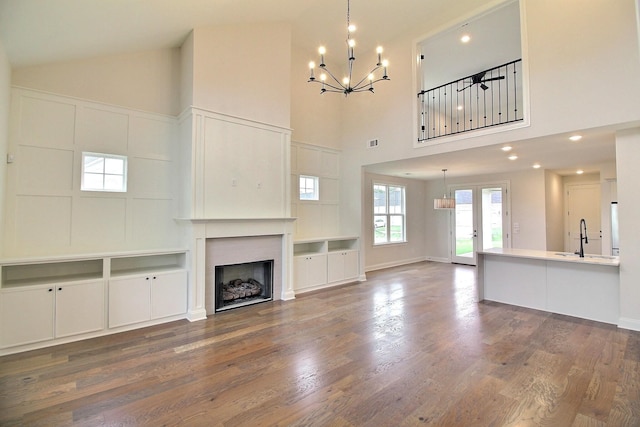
(237, 285)
(239, 288)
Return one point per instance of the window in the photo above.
(104, 172)
(388, 214)
(309, 188)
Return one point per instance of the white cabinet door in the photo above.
(335, 266)
(351, 264)
(168, 294)
(342, 266)
(310, 271)
(26, 315)
(129, 300)
(79, 308)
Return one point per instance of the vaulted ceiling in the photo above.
(36, 32)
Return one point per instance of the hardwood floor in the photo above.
(409, 347)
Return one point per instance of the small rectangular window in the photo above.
(309, 187)
(104, 172)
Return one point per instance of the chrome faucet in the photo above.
(583, 224)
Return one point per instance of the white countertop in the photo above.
(613, 261)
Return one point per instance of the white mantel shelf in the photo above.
(235, 219)
(612, 261)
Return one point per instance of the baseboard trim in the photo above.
(627, 323)
(394, 264)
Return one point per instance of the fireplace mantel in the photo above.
(201, 229)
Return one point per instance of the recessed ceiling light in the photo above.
(465, 38)
(536, 165)
(512, 157)
(575, 138)
(579, 171)
(507, 148)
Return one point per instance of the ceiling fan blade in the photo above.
(466, 87)
(492, 78)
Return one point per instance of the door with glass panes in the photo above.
(479, 221)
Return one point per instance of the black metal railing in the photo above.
(489, 98)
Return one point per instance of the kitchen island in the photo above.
(557, 282)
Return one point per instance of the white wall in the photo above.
(315, 119)
(527, 197)
(5, 96)
(186, 73)
(244, 71)
(316, 218)
(413, 250)
(554, 211)
(145, 81)
(47, 213)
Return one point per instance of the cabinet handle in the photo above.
(154, 277)
(146, 278)
(50, 289)
(59, 289)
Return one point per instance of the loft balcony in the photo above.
(486, 99)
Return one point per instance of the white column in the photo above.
(627, 161)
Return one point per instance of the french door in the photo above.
(479, 221)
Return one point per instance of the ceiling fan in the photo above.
(479, 79)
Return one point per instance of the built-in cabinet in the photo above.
(51, 311)
(140, 298)
(320, 263)
(50, 301)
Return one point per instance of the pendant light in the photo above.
(445, 202)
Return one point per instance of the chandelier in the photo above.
(346, 85)
(445, 202)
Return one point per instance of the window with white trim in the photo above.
(389, 216)
(103, 172)
(309, 187)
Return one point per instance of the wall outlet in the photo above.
(10, 158)
(372, 143)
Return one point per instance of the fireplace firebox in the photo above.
(238, 285)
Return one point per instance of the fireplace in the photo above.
(243, 257)
(238, 285)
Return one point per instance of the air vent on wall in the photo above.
(372, 143)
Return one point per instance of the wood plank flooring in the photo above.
(409, 347)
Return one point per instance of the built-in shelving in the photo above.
(144, 264)
(39, 273)
(325, 262)
(48, 301)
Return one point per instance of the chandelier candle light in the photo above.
(345, 86)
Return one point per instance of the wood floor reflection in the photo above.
(409, 347)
